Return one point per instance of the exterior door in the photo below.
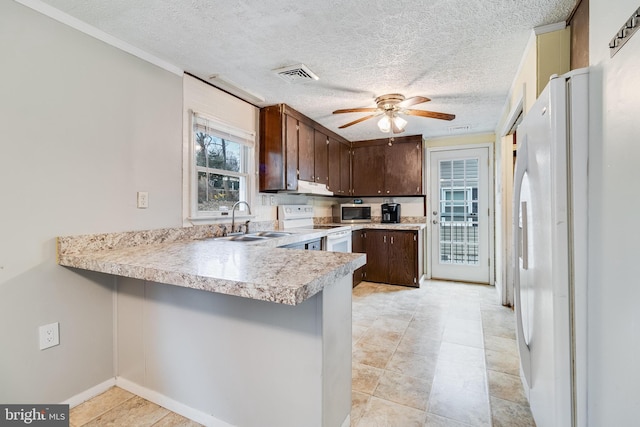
(459, 213)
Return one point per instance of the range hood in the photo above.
(307, 187)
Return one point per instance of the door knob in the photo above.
(435, 212)
(435, 221)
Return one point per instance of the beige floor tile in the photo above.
(381, 337)
(389, 324)
(463, 331)
(506, 387)
(364, 319)
(405, 390)
(372, 355)
(135, 412)
(174, 420)
(455, 334)
(463, 337)
(499, 331)
(364, 378)
(357, 331)
(424, 346)
(496, 313)
(505, 345)
(418, 329)
(462, 354)
(413, 365)
(397, 314)
(97, 406)
(510, 414)
(382, 413)
(438, 421)
(466, 313)
(503, 362)
(359, 402)
(462, 376)
(461, 405)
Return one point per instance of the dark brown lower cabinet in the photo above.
(403, 258)
(377, 258)
(392, 257)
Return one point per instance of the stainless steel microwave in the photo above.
(352, 213)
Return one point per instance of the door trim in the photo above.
(428, 241)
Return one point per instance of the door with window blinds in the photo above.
(459, 214)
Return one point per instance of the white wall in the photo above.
(83, 126)
(614, 294)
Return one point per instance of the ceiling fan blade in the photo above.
(356, 110)
(413, 101)
(431, 114)
(361, 119)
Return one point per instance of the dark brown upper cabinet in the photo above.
(387, 167)
(306, 152)
(321, 158)
(294, 147)
(339, 168)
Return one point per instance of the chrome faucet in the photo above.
(233, 215)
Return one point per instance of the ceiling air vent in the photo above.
(457, 129)
(295, 73)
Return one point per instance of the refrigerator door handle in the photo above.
(519, 249)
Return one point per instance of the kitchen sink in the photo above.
(254, 237)
(272, 233)
(247, 238)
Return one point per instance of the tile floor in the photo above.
(117, 407)
(443, 355)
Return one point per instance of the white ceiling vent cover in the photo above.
(462, 128)
(295, 73)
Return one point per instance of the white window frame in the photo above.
(227, 131)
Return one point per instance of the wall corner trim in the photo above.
(98, 34)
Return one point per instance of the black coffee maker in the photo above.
(390, 213)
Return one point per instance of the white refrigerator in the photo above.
(550, 241)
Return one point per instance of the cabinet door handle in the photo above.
(392, 240)
(387, 191)
(385, 239)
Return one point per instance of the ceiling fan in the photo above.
(391, 107)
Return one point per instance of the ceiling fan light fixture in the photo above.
(385, 124)
(399, 122)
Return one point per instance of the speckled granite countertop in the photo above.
(258, 271)
(380, 226)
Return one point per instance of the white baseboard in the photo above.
(90, 393)
(170, 404)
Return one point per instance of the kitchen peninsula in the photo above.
(229, 334)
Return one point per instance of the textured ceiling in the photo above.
(461, 54)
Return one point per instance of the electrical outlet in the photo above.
(49, 335)
(143, 199)
(272, 200)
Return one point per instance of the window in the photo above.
(222, 159)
